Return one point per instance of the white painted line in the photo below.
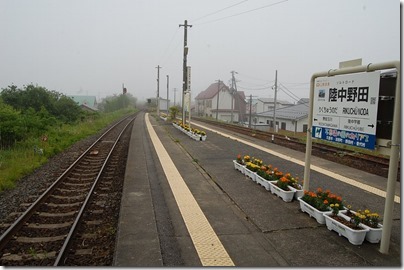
(336, 176)
(208, 246)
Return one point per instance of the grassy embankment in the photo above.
(22, 160)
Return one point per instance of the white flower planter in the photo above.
(238, 166)
(298, 192)
(374, 235)
(313, 212)
(249, 174)
(355, 237)
(203, 138)
(262, 181)
(196, 137)
(287, 196)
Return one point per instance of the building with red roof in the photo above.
(222, 103)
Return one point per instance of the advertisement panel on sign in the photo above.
(345, 109)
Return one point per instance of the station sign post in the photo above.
(345, 109)
(365, 109)
(187, 96)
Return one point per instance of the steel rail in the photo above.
(19, 222)
(268, 136)
(67, 242)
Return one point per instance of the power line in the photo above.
(241, 13)
(169, 45)
(220, 10)
(255, 78)
(255, 89)
(284, 88)
(291, 94)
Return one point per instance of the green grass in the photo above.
(21, 160)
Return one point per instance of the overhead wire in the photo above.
(244, 12)
(169, 45)
(290, 94)
(220, 10)
(284, 88)
(254, 89)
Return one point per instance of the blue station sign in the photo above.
(345, 109)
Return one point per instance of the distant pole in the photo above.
(158, 90)
(249, 122)
(217, 103)
(175, 94)
(123, 93)
(184, 67)
(168, 79)
(233, 91)
(276, 85)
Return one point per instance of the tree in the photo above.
(173, 112)
(66, 109)
(117, 102)
(39, 99)
(10, 128)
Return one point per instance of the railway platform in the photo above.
(184, 204)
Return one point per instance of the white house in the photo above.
(292, 118)
(221, 103)
(163, 104)
(267, 104)
(260, 105)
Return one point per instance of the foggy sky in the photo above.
(84, 47)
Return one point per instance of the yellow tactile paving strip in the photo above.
(339, 177)
(208, 246)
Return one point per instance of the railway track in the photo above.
(372, 164)
(59, 227)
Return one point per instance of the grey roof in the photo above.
(271, 100)
(294, 112)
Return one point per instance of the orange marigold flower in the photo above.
(319, 190)
(339, 198)
(332, 196)
(284, 179)
(325, 202)
(327, 191)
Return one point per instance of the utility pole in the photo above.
(184, 68)
(217, 103)
(158, 90)
(175, 94)
(276, 86)
(168, 79)
(233, 91)
(249, 122)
